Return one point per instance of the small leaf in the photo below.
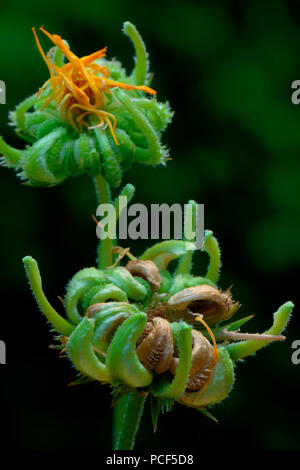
(208, 415)
(156, 404)
(81, 380)
(118, 391)
(238, 323)
(167, 405)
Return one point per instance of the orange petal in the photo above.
(86, 60)
(126, 86)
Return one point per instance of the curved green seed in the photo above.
(11, 155)
(147, 298)
(19, 115)
(80, 350)
(166, 281)
(56, 154)
(183, 342)
(124, 280)
(159, 114)
(34, 162)
(247, 348)
(48, 126)
(109, 292)
(126, 147)
(60, 324)
(156, 152)
(114, 307)
(122, 360)
(112, 171)
(79, 284)
(139, 74)
(211, 246)
(33, 122)
(86, 156)
(181, 281)
(106, 323)
(85, 300)
(108, 318)
(220, 386)
(164, 252)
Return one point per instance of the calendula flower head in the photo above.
(80, 87)
(166, 334)
(88, 117)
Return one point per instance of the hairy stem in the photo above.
(104, 254)
(127, 416)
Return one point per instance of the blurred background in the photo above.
(226, 68)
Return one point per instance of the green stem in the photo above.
(102, 189)
(127, 417)
(128, 411)
(104, 196)
(104, 254)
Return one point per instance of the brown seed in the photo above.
(147, 270)
(156, 309)
(206, 300)
(203, 362)
(156, 348)
(94, 308)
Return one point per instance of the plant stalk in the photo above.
(127, 416)
(104, 253)
(129, 409)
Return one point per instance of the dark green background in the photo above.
(226, 69)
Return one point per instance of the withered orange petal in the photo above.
(126, 86)
(47, 62)
(86, 60)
